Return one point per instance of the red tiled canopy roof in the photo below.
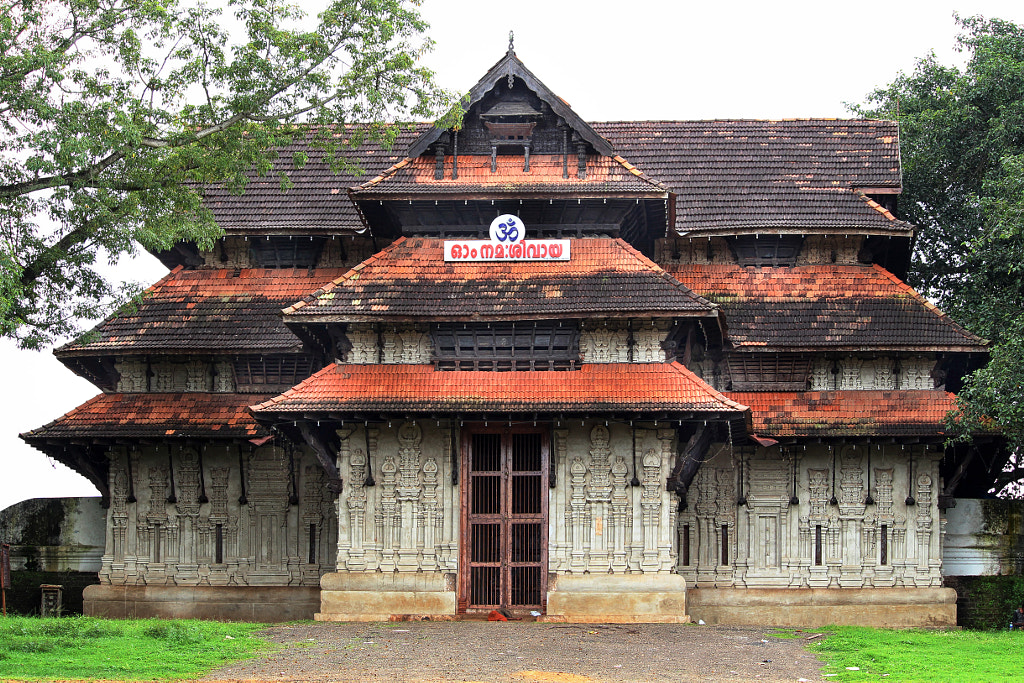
(410, 279)
(612, 387)
(847, 413)
(606, 176)
(202, 310)
(165, 415)
(824, 307)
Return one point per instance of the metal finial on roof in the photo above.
(511, 42)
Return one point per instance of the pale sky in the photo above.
(610, 61)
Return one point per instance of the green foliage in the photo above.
(115, 113)
(962, 138)
(147, 649)
(915, 655)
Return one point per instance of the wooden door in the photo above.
(504, 520)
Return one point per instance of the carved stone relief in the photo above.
(132, 375)
(363, 345)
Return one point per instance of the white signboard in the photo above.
(508, 243)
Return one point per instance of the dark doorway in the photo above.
(504, 519)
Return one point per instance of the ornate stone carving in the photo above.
(223, 376)
(647, 343)
(131, 375)
(416, 346)
(363, 345)
(818, 483)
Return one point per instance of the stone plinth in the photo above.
(224, 603)
(377, 596)
(816, 607)
(617, 598)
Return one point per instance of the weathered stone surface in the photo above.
(54, 534)
(815, 607)
(626, 598)
(227, 603)
(376, 596)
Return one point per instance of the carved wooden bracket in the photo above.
(689, 461)
(323, 454)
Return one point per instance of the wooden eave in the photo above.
(507, 66)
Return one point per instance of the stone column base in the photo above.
(617, 598)
(223, 603)
(816, 607)
(378, 596)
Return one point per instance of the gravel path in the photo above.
(521, 652)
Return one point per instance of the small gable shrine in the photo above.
(650, 371)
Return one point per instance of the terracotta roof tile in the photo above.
(633, 387)
(196, 310)
(605, 175)
(739, 175)
(847, 413)
(823, 307)
(410, 279)
(173, 415)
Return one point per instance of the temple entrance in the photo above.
(504, 519)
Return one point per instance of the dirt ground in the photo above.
(522, 652)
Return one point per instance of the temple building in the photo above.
(625, 372)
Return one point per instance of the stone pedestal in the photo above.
(226, 603)
(816, 607)
(376, 596)
(617, 598)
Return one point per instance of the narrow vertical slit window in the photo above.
(817, 545)
(156, 543)
(218, 544)
(725, 544)
(883, 545)
(686, 545)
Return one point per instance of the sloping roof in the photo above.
(727, 175)
(207, 310)
(612, 387)
(317, 201)
(606, 177)
(795, 175)
(824, 307)
(165, 415)
(511, 67)
(410, 279)
(846, 413)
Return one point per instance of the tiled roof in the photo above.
(846, 413)
(411, 279)
(611, 387)
(208, 310)
(316, 202)
(173, 415)
(606, 176)
(823, 307)
(762, 175)
(727, 175)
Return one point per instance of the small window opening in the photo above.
(312, 543)
(883, 545)
(817, 545)
(725, 544)
(218, 539)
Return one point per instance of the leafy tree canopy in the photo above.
(113, 112)
(962, 138)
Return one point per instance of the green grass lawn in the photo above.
(32, 648)
(914, 655)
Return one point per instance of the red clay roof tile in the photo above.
(847, 413)
(203, 310)
(410, 279)
(613, 387)
(823, 307)
(177, 415)
(605, 175)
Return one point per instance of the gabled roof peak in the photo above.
(505, 74)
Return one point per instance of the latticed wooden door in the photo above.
(504, 520)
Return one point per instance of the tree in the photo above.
(114, 114)
(962, 138)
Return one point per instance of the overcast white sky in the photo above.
(611, 61)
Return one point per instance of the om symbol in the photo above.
(507, 229)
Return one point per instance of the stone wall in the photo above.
(217, 515)
(764, 518)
